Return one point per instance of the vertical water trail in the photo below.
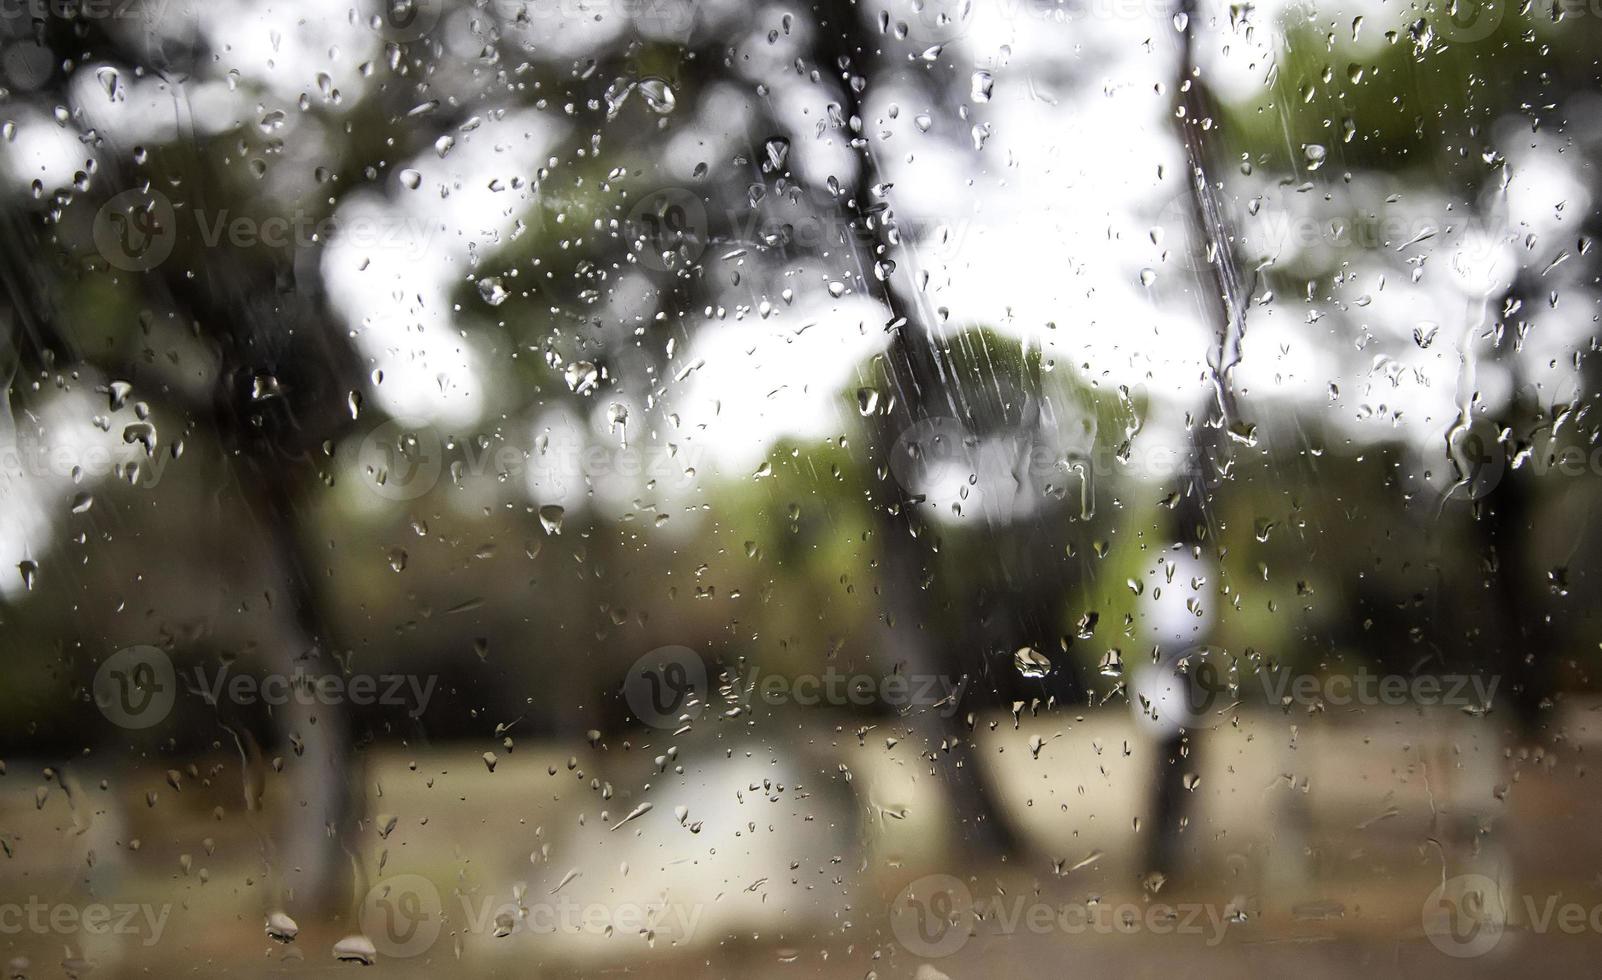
(1208, 213)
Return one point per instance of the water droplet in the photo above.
(1112, 664)
(282, 928)
(356, 949)
(263, 387)
(1031, 663)
(658, 95)
(110, 81)
(119, 392)
(581, 376)
(982, 84)
(634, 814)
(777, 149)
(867, 401)
(492, 290)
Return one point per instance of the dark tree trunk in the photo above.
(1191, 526)
(845, 50)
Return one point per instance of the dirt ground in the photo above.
(1321, 847)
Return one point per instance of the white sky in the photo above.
(1053, 225)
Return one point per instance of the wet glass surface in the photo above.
(893, 488)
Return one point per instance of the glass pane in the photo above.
(869, 488)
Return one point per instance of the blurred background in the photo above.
(892, 488)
